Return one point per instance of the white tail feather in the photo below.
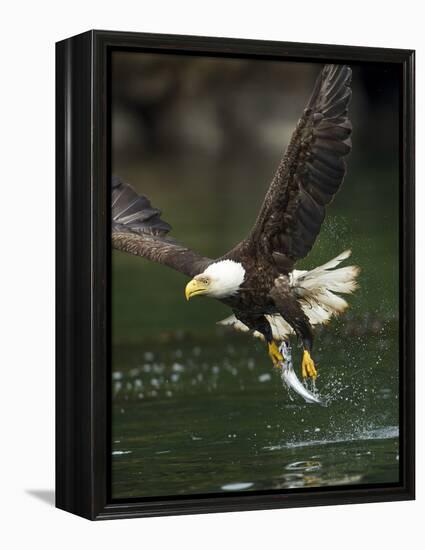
(316, 290)
(317, 287)
(334, 262)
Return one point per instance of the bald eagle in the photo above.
(256, 278)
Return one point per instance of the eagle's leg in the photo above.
(308, 368)
(304, 332)
(260, 324)
(274, 353)
(292, 312)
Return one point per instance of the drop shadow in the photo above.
(45, 495)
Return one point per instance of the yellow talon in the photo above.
(308, 368)
(275, 354)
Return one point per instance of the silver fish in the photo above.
(291, 379)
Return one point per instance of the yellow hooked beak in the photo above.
(195, 288)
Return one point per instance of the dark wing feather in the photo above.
(308, 176)
(137, 228)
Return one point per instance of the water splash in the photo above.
(387, 432)
(236, 486)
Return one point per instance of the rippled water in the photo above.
(201, 410)
(198, 417)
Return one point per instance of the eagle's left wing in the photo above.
(308, 176)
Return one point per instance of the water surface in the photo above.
(197, 418)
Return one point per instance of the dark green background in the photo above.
(198, 408)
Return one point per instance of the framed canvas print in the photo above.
(235, 274)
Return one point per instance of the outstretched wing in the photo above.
(137, 228)
(308, 176)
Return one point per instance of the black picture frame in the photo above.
(83, 257)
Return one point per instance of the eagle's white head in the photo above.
(219, 280)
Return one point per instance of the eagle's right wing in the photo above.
(137, 228)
